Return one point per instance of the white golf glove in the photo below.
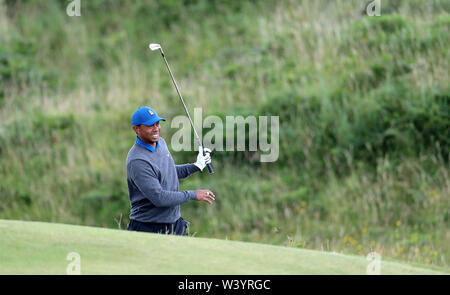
(203, 160)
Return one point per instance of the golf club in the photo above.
(154, 46)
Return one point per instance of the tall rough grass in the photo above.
(363, 105)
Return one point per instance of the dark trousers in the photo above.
(177, 228)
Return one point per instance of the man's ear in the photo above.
(135, 128)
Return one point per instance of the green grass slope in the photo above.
(42, 248)
(363, 103)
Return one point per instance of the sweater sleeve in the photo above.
(146, 180)
(185, 170)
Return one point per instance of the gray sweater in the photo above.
(153, 186)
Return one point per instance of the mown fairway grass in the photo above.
(42, 248)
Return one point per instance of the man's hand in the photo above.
(205, 196)
(203, 160)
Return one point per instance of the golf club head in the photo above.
(154, 46)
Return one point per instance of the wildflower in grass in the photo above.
(398, 223)
(359, 247)
(364, 230)
(302, 211)
(303, 204)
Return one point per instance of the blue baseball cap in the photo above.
(145, 116)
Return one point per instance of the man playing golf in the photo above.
(152, 178)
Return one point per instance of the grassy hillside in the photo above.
(42, 248)
(363, 103)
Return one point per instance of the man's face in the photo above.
(148, 134)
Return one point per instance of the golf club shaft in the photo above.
(210, 169)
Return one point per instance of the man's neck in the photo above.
(152, 143)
